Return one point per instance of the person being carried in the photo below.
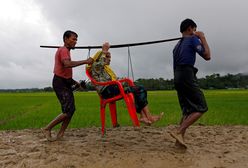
(191, 98)
(62, 84)
(102, 72)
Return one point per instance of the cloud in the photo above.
(22, 29)
(27, 24)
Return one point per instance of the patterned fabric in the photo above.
(139, 92)
(107, 68)
(63, 90)
(95, 58)
(140, 96)
(99, 73)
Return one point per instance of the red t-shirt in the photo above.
(62, 54)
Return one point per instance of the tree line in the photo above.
(214, 81)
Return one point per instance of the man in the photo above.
(62, 84)
(191, 98)
(102, 72)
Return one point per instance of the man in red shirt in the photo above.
(63, 82)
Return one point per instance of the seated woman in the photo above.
(101, 72)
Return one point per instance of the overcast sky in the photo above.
(27, 24)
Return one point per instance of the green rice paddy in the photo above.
(35, 110)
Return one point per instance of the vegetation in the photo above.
(35, 110)
(214, 81)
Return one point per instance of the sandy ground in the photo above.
(146, 147)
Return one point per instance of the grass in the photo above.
(227, 107)
(35, 110)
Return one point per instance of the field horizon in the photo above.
(35, 110)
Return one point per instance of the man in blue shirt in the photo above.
(191, 98)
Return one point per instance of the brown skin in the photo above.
(187, 121)
(192, 31)
(70, 43)
(207, 54)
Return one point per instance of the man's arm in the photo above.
(206, 54)
(70, 64)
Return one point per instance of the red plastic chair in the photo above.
(128, 98)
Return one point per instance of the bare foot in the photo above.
(145, 121)
(156, 117)
(179, 145)
(59, 138)
(47, 134)
(179, 139)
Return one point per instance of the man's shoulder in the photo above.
(63, 52)
(63, 48)
(188, 38)
(190, 41)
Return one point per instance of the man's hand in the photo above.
(206, 54)
(79, 85)
(70, 64)
(199, 34)
(89, 60)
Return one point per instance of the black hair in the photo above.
(68, 34)
(185, 24)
